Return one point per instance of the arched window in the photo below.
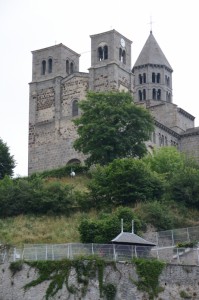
(144, 77)
(50, 65)
(144, 94)
(67, 66)
(71, 68)
(166, 141)
(153, 77)
(140, 95)
(75, 108)
(100, 53)
(158, 78)
(160, 140)
(105, 52)
(43, 71)
(154, 94)
(159, 94)
(140, 78)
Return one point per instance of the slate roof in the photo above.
(131, 239)
(152, 54)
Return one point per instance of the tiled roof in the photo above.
(152, 54)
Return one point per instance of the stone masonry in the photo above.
(57, 86)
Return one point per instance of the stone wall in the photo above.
(174, 280)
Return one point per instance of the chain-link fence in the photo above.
(173, 237)
(110, 252)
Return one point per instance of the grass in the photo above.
(43, 229)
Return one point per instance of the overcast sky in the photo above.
(27, 25)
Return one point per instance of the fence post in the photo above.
(46, 252)
(52, 253)
(188, 237)
(35, 253)
(157, 253)
(68, 251)
(172, 238)
(92, 249)
(197, 255)
(114, 253)
(14, 254)
(178, 256)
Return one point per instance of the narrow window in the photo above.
(144, 94)
(43, 67)
(105, 52)
(100, 53)
(75, 108)
(50, 65)
(159, 94)
(144, 77)
(124, 56)
(158, 78)
(67, 67)
(153, 77)
(71, 68)
(120, 54)
(154, 94)
(140, 95)
(140, 78)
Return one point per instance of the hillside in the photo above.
(62, 228)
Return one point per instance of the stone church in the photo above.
(57, 86)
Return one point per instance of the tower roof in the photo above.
(152, 54)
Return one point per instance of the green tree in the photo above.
(166, 161)
(112, 126)
(7, 162)
(124, 181)
(108, 226)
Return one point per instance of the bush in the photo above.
(124, 182)
(108, 226)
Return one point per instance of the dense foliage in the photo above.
(7, 162)
(124, 181)
(36, 196)
(108, 226)
(111, 127)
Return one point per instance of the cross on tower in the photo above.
(151, 22)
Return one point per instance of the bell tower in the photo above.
(153, 74)
(110, 62)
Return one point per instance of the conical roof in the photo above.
(152, 54)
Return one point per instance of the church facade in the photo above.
(57, 86)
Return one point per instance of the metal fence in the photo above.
(109, 252)
(173, 237)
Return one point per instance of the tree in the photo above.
(166, 161)
(7, 162)
(112, 126)
(123, 182)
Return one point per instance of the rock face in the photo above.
(177, 282)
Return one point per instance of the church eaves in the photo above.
(152, 54)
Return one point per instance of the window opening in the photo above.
(144, 77)
(159, 94)
(140, 96)
(140, 78)
(67, 67)
(154, 94)
(43, 67)
(144, 94)
(50, 65)
(71, 68)
(153, 77)
(75, 108)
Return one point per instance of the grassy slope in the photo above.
(62, 229)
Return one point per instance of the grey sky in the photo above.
(27, 25)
